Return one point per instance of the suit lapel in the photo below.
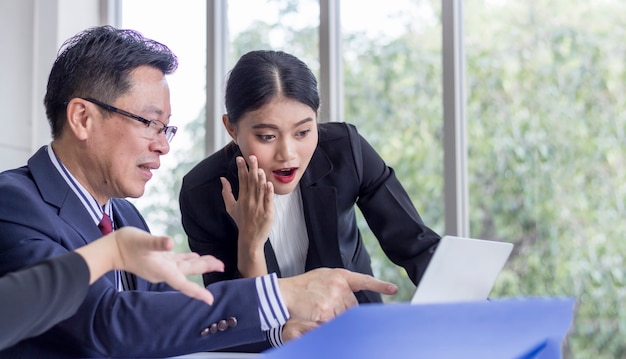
(55, 191)
(320, 214)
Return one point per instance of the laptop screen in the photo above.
(462, 269)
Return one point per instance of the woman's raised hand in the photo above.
(253, 212)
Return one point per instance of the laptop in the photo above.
(462, 269)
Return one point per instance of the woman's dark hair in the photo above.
(262, 75)
(97, 63)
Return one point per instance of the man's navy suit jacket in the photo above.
(40, 217)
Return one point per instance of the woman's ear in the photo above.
(232, 129)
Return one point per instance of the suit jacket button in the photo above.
(213, 328)
(232, 322)
(222, 325)
(204, 331)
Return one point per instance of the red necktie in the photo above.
(106, 227)
(105, 224)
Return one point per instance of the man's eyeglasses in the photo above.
(153, 128)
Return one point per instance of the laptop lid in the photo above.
(462, 269)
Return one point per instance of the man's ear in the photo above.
(78, 114)
(232, 130)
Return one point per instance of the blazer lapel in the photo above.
(320, 214)
(55, 191)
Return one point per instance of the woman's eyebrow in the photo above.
(274, 127)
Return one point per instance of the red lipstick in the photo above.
(285, 175)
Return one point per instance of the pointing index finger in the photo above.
(358, 281)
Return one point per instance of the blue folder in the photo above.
(503, 328)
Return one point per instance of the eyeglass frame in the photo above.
(169, 131)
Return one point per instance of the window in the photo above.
(279, 25)
(546, 122)
(183, 29)
(393, 93)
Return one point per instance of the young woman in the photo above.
(290, 205)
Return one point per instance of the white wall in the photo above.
(31, 32)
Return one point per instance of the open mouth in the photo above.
(285, 175)
(285, 172)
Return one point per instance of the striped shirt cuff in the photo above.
(275, 336)
(272, 310)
